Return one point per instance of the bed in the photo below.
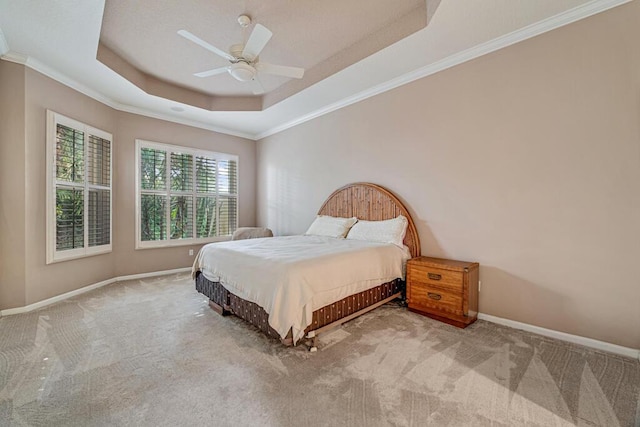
(218, 271)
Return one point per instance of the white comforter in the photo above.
(292, 276)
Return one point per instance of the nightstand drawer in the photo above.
(446, 279)
(427, 296)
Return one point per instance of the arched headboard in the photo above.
(370, 202)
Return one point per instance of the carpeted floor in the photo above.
(151, 352)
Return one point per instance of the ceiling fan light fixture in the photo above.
(242, 71)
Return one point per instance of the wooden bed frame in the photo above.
(363, 200)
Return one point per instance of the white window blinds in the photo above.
(185, 196)
(79, 189)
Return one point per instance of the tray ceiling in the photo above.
(139, 40)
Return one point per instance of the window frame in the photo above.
(168, 149)
(53, 254)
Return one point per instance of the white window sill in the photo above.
(155, 244)
(71, 254)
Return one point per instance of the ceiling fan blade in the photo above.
(256, 86)
(197, 40)
(212, 72)
(257, 41)
(280, 70)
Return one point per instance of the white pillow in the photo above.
(387, 231)
(331, 226)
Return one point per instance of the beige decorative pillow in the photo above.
(387, 231)
(330, 226)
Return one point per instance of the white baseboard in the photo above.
(576, 339)
(152, 274)
(58, 298)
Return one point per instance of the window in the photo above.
(184, 195)
(78, 189)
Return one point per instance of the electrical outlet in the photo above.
(190, 252)
(479, 285)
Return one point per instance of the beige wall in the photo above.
(526, 160)
(130, 127)
(25, 97)
(42, 280)
(12, 198)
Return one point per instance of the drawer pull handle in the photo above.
(436, 297)
(434, 276)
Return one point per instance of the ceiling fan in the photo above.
(245, 64)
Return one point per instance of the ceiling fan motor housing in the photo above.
(236, 50)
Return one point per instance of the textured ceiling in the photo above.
(139, 40)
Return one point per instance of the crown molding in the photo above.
(584, 11)
(186, 122)
(62, 78)
(15, 57)
(54, 74)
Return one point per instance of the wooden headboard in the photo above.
(370, 202)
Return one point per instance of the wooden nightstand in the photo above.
(443, 289)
